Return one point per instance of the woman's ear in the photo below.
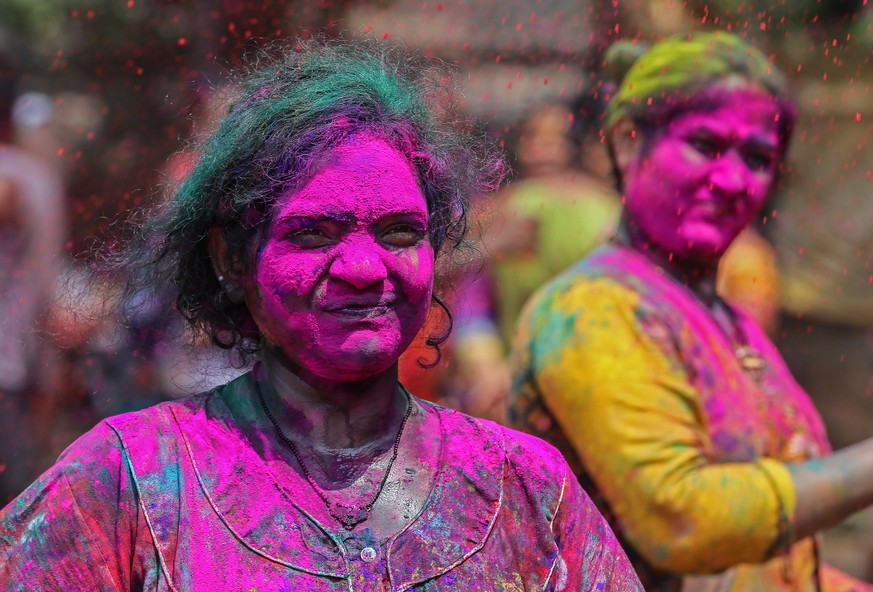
(626, 145)
(227, 266)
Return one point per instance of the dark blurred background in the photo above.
(102, 98)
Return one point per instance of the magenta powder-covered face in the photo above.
(343, 279)
(706, 176)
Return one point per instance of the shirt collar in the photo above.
(245, 493)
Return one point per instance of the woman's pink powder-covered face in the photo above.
(343, 279)
(706, 176)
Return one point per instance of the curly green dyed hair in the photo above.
(290, 113)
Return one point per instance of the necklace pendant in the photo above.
(348, 515)
(751, 361)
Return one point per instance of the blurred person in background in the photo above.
(560, 210)
(32, 235)
(674, 408)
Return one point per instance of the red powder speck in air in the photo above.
(130, 3)
(182, 41)
(545, 80)
(763, 26)
(386, 35)
(60, 151)
(857, 116)
(800, 251)
(518, 26)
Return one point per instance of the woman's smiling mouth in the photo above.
(361, 308)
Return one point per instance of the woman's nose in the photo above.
(359, 265)
(730, 175)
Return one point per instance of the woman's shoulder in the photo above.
(158, 419)
(601, 270)
(525, 456)
(595, 288)
(147, 432)
(104, 447)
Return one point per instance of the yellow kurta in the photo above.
(626, 372)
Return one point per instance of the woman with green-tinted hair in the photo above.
(306, 237)
(673, 408)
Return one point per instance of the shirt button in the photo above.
(368, 554)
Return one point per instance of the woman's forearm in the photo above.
(830, 489)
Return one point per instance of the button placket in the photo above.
(367, 558)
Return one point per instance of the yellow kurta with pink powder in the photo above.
(685, 453)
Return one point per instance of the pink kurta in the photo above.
(176, 497)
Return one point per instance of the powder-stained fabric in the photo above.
(623, 369)
(177, 498)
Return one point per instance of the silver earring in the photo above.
(221, 279)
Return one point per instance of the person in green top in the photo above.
(561, 209)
